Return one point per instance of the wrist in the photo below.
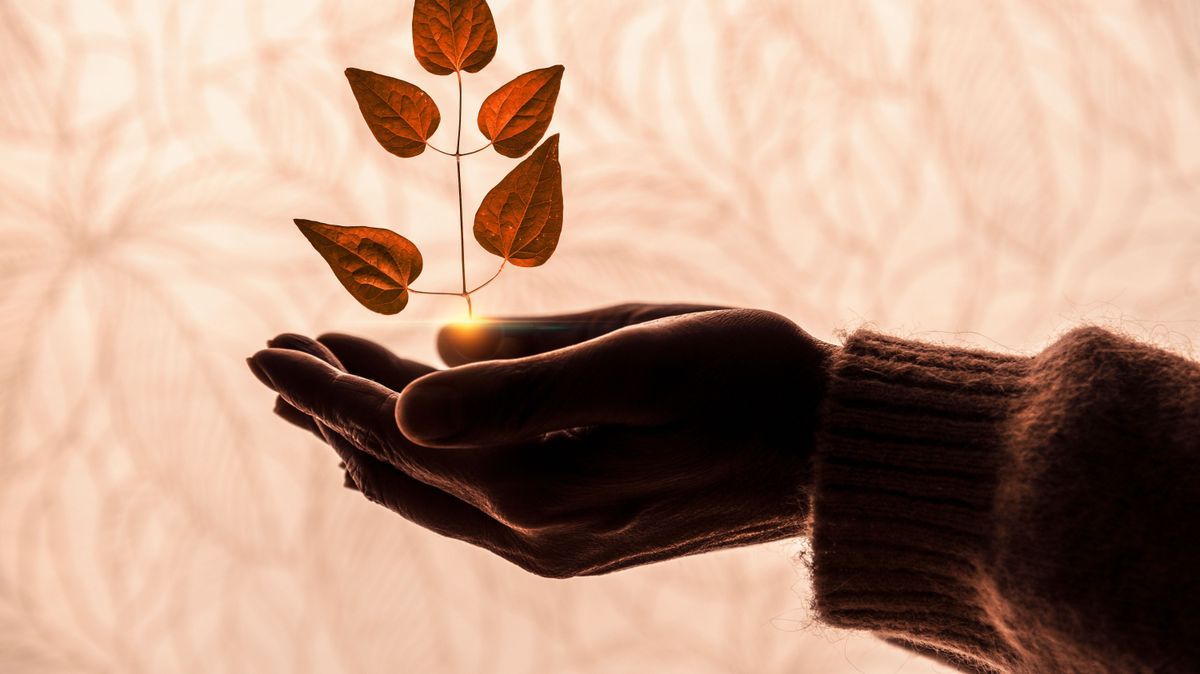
(905, 469)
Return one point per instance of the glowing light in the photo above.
(468, 322)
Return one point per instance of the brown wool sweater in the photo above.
(1006, 513)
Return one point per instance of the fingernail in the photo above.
(431, 412)
(290, 340)
(260, 374)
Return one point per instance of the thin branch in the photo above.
(433, 292)
(465, 154)
(483, 285)
(456, 154)
(462, 228)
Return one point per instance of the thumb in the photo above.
(626, 377)
(515, 337)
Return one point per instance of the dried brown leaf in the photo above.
(515, 116)
(401, 116)
(452, 35)
(375, 265)
(520, 219)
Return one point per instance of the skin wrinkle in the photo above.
(568, 524)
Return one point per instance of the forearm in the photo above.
(1015, 513)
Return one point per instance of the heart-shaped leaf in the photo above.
(401, 116)
(375, 265)
(453, 35)
(516, 115)
(521, 218)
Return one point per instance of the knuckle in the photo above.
(768, 324)
(769, 333)
(384, 418)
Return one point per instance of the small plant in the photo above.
(519, 220)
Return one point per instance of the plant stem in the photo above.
(437, 149)
(467, 294)
(462, 228)
(464, 154)
(458, 154)
(483, 285)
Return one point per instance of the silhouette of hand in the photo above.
(574, 445)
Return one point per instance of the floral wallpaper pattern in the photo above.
(989, 173)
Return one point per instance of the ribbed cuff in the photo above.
(905, 470)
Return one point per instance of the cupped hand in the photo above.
(579, 444)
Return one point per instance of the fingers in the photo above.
(290, 340)
(515, 337)
(317, 397)
(355, 355)
(373, 361)
(416, 501)
(636, 376)
(284, 410)
(287, 412)
(358, 408)
(360, 357)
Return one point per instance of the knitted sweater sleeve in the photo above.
(1007, 513)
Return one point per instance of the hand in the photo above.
(590, 443)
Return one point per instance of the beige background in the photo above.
(984, 172)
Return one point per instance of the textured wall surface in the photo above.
(990, 173)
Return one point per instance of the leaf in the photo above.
(375, 265)
(521, 218)
(401, 115)
(515, 116)
(453, 35)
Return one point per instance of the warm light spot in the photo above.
(468, 323)
(471, 338)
